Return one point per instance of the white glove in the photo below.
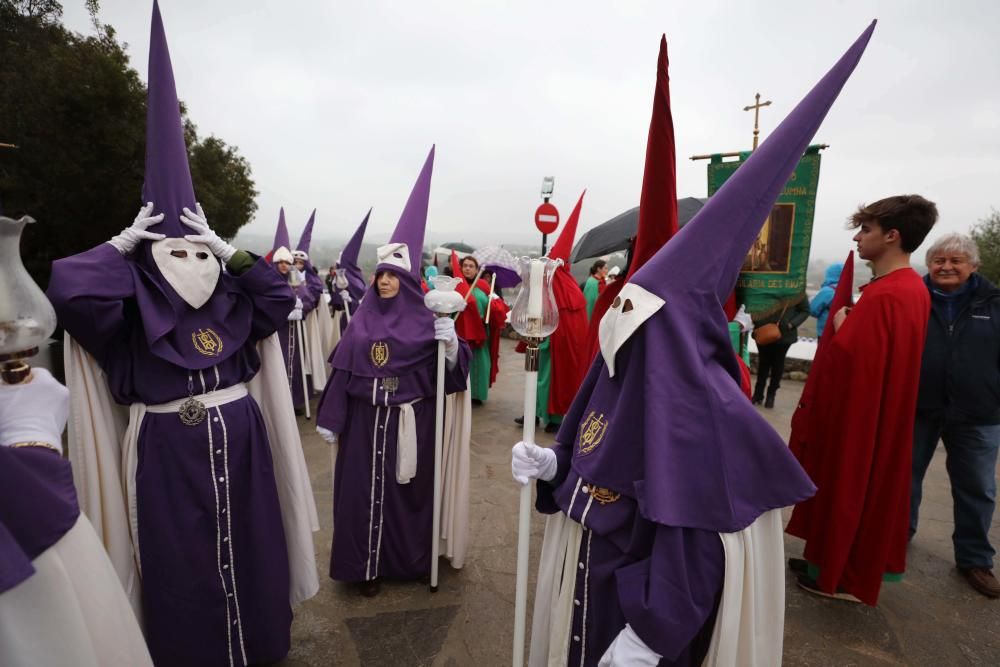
(345, 295)
(126, 242)
(199, 223)
(296, 314)
(444, 329)
(35, 411)
(327, 434)
(298, 303)
(744, 319)
(627, 650)
(529, 461)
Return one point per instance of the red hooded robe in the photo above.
(567, 350)
(658, 219)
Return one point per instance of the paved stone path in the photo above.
(931, 618)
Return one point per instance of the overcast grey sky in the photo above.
(335, 104)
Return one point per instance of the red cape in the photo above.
(498, 319)
(858, 446)
(567, 350)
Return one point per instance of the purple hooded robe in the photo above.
(211, 544)
(662, 453)
(385, 361)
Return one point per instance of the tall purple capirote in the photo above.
(401, 323)
(306, 239)
(168, 176)
(281, 239)
(413, 220)
(710, 249)
(352, 250)
(349, 261)
(676, 433)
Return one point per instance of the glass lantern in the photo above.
(27, 319)
(535, 314)
(443, 297)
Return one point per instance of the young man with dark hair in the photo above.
(855, 435)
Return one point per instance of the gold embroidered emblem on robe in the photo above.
(380, 353)
(604, 496)
(207, 342)
(592, 431)
(390, 385)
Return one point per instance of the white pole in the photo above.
(493, 289)
(302, 365)
(438, 456)
(524, 512)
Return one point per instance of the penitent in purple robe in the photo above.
(214, 564)
(311, 294)
(660, 454)
(665, 581)
(383, 528)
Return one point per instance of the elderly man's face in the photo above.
(950, 270)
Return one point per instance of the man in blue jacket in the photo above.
(959, 401)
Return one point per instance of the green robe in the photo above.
(591, 290)
(544, 382)
(479, 365)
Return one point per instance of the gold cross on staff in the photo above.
(756, 116)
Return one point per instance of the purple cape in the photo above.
(672, 429)
(388, 337)
(37, 507)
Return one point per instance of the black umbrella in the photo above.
(458, 246)
(615, 234)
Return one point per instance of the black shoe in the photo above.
(769, 401)
(757, 400)
(370, 588)
(798, 565)
(551, 428)
(520, 421)
(809, 585)
(477, 401)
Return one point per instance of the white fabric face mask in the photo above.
(395, 254)
(633, 306)
(189, 268)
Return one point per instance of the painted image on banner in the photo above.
(772, 249)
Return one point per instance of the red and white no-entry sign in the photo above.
(547, 218)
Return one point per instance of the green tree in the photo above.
(987, 236)
(77, 112)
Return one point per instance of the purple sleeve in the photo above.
(332, 410)
(272, 298)
(545, 501)
(88, 292)
(670, 596)
(456, 379)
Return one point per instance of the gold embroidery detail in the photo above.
(380, 353)
(207, 342)
(592, 431)
(604, 496)
(39, 444)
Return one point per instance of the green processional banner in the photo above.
(774, 271)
